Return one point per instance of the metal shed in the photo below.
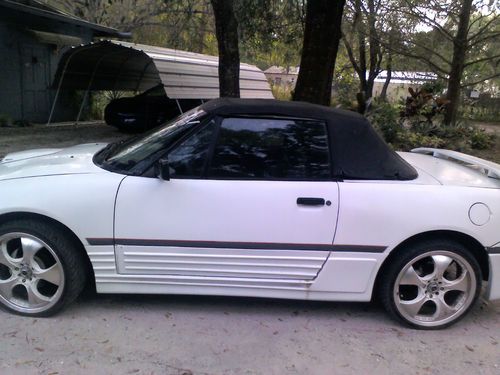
(116, 65)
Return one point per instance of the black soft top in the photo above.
(358, 152)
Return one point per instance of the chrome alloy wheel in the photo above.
(435, 288)
(31, 273)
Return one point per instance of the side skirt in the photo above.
(344, 276)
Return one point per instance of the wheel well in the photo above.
(470, 243)
(32, 216)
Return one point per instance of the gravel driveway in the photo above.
(103, 334)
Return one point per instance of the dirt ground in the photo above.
(41, 136)
(108, 334)
(180, 335)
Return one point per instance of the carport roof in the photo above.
(117, 65)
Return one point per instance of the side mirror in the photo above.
(162, 169)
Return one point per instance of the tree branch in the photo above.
(467, 84)
(350, 54)
(481, 60)
(481, 40)
(482, 29)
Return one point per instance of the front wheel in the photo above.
(431, 285)
(41, 269)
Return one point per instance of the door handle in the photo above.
(303, 201)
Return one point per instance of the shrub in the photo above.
(480, 140)
(22, 123)
(405, 133)
(281, 92)
(4, 120)
(385, 118)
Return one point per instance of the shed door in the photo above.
(35, 81)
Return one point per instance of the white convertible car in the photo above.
(252, 198)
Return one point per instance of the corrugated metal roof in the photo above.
(116, 65)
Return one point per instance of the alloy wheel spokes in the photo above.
(34, 296)
(7, 287)
(460, 284)
(5, 258)
(411, 277)
(441, 264)
(36, 275)
(434, 296)
(443, 310)
(414, 306)
(51, 274)
(30, 248)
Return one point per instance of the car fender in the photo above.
(84, 203)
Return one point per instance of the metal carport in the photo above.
(122, 66)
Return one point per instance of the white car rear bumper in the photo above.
(493, 291)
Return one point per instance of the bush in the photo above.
(22, 123)
(480, 140)
(281, 92)
(385, 118)
(417, 131)
(4, 120)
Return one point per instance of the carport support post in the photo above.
(58, 89)
(81, 105)
(88, 87)
(59, 85)
(179, 106)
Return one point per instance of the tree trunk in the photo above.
(321, 42)
(457, 63)
(383, 93)
(369, 54)
(226, 31)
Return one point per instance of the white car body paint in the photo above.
(21, 155)
(201, 227)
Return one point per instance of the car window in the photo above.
(287, 149)
(125, 156)
(188, 159)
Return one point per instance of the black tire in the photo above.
(67, 251)
(421, 255)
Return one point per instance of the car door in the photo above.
(247, 199)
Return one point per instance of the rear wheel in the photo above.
(41, 268)
(431, 285)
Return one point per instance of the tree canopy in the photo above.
(458, 40)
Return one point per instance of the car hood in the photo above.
(447, 170)
(50, 161)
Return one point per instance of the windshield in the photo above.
(124, 156)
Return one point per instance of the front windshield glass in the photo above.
(125, 156)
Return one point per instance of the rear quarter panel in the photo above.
(386, 214)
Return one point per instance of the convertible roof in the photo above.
(116, 65)
(358, 152)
